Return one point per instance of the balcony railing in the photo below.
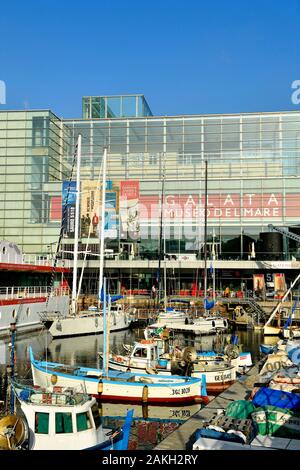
(25, 292)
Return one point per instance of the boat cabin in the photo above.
(148, 353)
(61, 421)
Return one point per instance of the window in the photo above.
(40, 128)
(63, 423)
(83, 421)
(152, 159)
(140, 353)
(41, 423)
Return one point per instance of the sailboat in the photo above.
(90, 321)
(209, 324)
(166, 313)
(109, 385)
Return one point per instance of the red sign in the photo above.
(219, 206)
(130, 189)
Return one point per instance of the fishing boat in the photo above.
(148, 355)
(120, 387)
(171, 315)
(200, 326)
(58, 420)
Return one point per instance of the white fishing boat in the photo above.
(200, 326)
(120, 386)
(147, 355)
(59, 420)
(171, 315)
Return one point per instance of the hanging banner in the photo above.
(89, 209)
(91, 206)
(259, 286)
(279, 285)
(68, 207)
(129, 209)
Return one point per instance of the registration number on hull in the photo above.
(180, 391)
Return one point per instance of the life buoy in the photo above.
(118, 359)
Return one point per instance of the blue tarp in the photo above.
(267, 396)
(113, 298)
(208, 305)
(294, 355)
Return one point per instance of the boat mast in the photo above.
(76, 235)
(205, 234)
(213, 252)
(160, 233)
(102, 225)
(105, 331)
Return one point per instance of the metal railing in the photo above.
(24, 292)
(36, 260)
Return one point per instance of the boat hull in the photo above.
(217, 380)
(86, 325)
(203, 326)
(25, 312)
(120, 387)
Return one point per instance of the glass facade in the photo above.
(253, 177)
(94, 107)
(32, 144)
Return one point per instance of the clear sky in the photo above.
(186, 57)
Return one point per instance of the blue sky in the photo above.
(187, 57)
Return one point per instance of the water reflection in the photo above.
(152, 423)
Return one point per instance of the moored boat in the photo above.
(120, 386)
(145, 356)
(199, 326)
(87, 323)
(58, 420)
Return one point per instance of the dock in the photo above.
(240, 390)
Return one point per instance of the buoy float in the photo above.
(53, 379)
(145, 394)
(100, 387)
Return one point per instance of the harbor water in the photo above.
(151, 423)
